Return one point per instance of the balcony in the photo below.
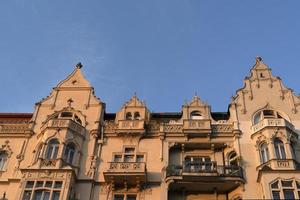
(204, 177)
(64, 123)
(131, 126)
(271, 123)
(132, 173)
(196, 127)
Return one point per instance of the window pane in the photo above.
(38, 195)
(58, 184)
(26, 195)
(66, 115)
(287, 183)
(298, 185)
(274, 185)
(46, 195)
(54, 156)
(55, 195)
(276, 195)
(48, 184)
(39, 184)
(131, 197)
(128, 158)
(118, 158)
(129, 150)
(288, 194)
(29, 184)
(140, 158)
(119, 197)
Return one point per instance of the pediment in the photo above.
(134, 102)
(75, 79)
(196, 101)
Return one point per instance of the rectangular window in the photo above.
(140, 158)
(276, 195)
(118, 158)
(129, 158)
(42, 190)
(288, 194)
(129, 150)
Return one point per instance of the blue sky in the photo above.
(165, 51)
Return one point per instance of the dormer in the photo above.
(196, 118)
(132, 117)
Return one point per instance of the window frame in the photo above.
(68, 151)
(264, 153)
(280, 190)
(3, 160)
(279, 149)
(44, 188)
(54, 149)
(135, 154)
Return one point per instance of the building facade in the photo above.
(70, 148)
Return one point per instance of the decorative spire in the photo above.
(258, 59)
(79, 65)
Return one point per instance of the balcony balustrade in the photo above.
(189, 174)
(131, 126)
(195, 126)
(271, 123)
(64, 123)
(129, 172)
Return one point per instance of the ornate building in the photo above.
(71, 148)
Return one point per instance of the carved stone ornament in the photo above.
(6, 148)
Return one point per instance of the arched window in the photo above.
(3, 160)
(196, 115)
(52, 149)
(69, 153)
(233, 159)
(279, 149)
(137, 116)
(128, 116)
(264, 152)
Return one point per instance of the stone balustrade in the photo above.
(271, 123)
(64, 123)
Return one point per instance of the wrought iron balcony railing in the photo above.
(203, 169)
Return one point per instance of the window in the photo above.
(264, 153)
(279, 149)
(196, 115)
(128, 116)
(52, 149)
(198, 164)
(233, 159)
(137, 116)
(285, 189)
(69, 153)
(42, 190)
(125, 197)
(3, 160)
(129, 155)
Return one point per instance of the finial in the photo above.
(258, 59)
(134, 94)
(70, 101)
(79, 65)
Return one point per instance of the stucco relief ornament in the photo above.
(6, 148)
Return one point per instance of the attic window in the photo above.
(137, 116)
(262, 75)
(196, 115)
(128, 116)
